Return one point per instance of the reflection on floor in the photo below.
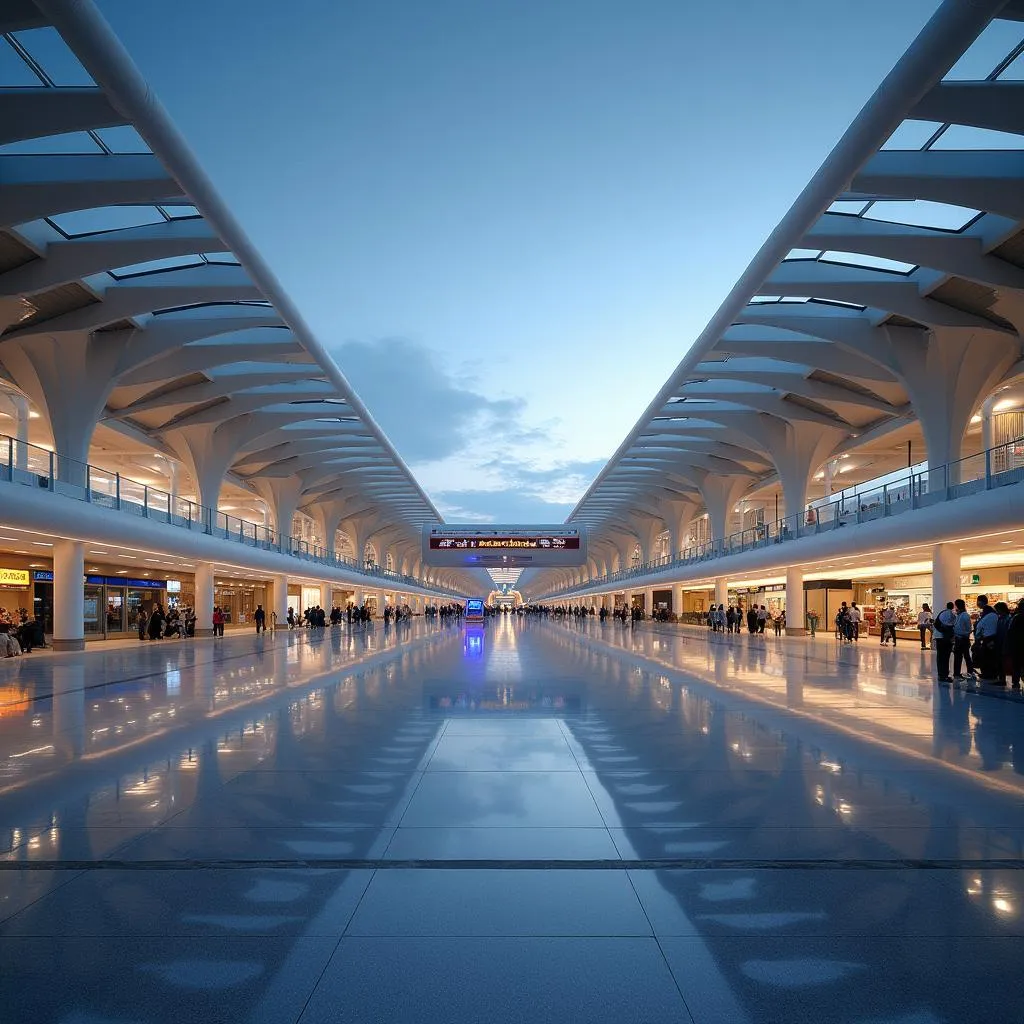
(530, 822)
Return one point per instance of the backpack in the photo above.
(944, 629)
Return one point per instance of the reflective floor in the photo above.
(533, 822)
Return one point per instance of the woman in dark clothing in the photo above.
(1013, 647)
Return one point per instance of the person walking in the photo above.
(812, 622)
(888, 625)
(962, 630)
(141, 621)
(218, 621)
(925, 622)
(260, 617)
(156, 623)
(943, 632)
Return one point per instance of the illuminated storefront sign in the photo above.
(15, 578)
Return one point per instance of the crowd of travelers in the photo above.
(175, 623)
(19, 633)
(987, 646)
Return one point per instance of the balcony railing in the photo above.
(997, 467)
(28, 464)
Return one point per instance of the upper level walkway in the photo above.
(537, 821)
(939, 496)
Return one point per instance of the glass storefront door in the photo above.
(94, 613)
(115, 610)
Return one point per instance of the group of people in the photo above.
(732, 619)
(157, 624)
(987, 646)
(444, 612)
(19, 633)
(848, 620)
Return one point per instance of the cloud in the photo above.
(525, 493)
(429, 413)
(511, 506)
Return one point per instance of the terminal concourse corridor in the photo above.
(532, 821)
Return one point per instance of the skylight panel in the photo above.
(53, 56)
(123, 139)
(64, 143)
(848, 206)
(966, 136)
(862, 259)
(105, 218)
(1014, 72)
(986, 52)
(180, 212)
(911, 135)
(803, 254)
(14, 72)
(227, 259)
(152, 266)
(922, 213)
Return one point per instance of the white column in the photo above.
(945, 575)
(69, 595)
(988, 426)
(204, 598)
(20, 403)
(721, 591)
(279, 602)
(358, 597)
(174, 482)
(677, 598)
(795, 618)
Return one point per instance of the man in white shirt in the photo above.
(855, 619)
(985, 630)
(962, 629)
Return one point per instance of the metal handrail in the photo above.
(995, 467)
(29, 464)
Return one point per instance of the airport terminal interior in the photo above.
(739, 740)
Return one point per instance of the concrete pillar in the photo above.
(721, 591)
(20, 403)
(204, 598)
(677, 598)
(796, 624)
(358, 597)
(945, 575)
(69, 595)
(174, 482)
(279, 601)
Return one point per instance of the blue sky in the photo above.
(509, 220)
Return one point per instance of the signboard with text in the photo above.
(14, 577)
(473, 545)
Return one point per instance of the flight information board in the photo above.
(510, 543)
(474, 546)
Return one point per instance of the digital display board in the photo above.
(504, 543)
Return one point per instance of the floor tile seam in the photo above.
(49, 892)
(702, 864)
(661, 949)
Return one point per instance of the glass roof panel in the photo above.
(803, 254)
(66, 142)
(150, 266)
(54, 56)
(123, 139)
(179, 212)
(853, 206)
(105, 218)
(965, 136)
(922, 213)
(226, 258)
(14, 72)
(862, 259)
(911, 134)
(985, 53)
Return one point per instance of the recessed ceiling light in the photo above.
(99, 552)
(42, 543)
(36, 565)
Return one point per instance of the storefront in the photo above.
(112, 604)
(15, 590)
(238, 599)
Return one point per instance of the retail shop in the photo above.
(238, 599)
(15, 587)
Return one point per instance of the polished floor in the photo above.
(532, 822)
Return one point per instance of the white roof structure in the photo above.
(130, 296)
(888, 303)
